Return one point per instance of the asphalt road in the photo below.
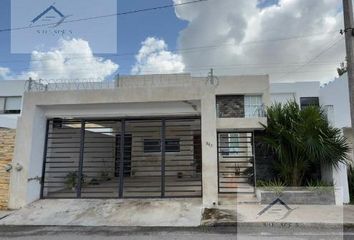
(103, 233)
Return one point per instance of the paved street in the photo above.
(81, 233)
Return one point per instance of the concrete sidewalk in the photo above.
(80, 212)
(173, 213)
(299, 215)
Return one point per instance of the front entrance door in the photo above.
(235, 162)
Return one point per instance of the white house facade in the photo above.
(154, 136)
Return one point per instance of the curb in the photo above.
(282, 224)
(226, 227)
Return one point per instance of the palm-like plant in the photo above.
(299, 138)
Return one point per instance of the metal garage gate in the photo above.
(124, 158)
(236, 162)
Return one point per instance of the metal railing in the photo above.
(122, 158)
(260, 111)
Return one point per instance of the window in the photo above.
(230, 106)
(10, 105)
(230, 144)
(309, 101)
(253, 106)
(234, 144)
(172, 145)
(154, 145)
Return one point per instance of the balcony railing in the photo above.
(260, 111)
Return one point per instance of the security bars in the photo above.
(122, 158)
(235, 162)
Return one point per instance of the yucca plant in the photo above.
(299, 138)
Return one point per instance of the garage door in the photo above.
(122, 158)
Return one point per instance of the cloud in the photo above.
(292, 40)
(5, 73)
(154, 58)
(72, 59)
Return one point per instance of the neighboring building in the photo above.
(143, 138)
(11, 92)
(304, 93)
(334, 97)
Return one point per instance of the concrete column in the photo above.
(28, 158)
(337, 176)
(209, 149)
(340, 181)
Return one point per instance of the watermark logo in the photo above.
(41, 24)
(51, 19)
(278, 207)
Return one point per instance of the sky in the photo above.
(291, 40)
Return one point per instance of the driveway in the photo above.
(80, 212)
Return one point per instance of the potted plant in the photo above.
(71, 180)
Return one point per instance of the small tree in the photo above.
(299, 138)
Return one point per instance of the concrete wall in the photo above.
(7, 144)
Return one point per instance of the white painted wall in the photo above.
(283, 92)
(10, 88)
(336, 95)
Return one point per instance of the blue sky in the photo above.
(309, 26)
(132, 30)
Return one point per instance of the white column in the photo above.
(340, 181)
(30, 136)
(209, 149)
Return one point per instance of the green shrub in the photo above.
(275, 185)
(300, 139)
(319, 186)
